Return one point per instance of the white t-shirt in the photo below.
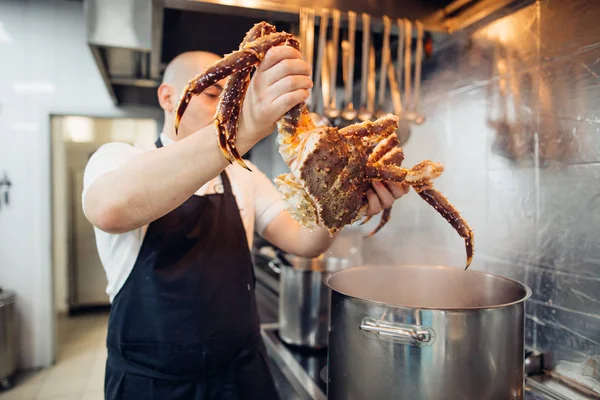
(257, 197)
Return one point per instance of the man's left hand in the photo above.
(384, 195)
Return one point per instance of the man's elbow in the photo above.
(107, 218)
(313, 251)
(110, 222)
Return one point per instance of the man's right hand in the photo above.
(280, 82)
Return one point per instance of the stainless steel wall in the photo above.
(513, 112)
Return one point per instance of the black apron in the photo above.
(185, 324)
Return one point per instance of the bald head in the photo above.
(185, 66)
(201, 110)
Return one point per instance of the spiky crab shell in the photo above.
(330, 169)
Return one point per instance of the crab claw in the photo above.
(237, 62)
(236, 86)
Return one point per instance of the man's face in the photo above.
(201, 110)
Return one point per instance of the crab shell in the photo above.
(328, 182)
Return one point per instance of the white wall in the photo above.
(73, 140)
(42, 47)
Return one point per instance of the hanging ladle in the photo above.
(364, 113)
(349, 112)
(331, 109)
(414, 115)
(403, 131)
(385, 60)
(316, 115)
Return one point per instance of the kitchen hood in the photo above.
(133, 40)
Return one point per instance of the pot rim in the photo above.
(525, 297)
(323, 265)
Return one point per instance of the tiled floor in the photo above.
(79, 370)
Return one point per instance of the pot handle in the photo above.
(274, 258)
(414, 335)
(275, 266)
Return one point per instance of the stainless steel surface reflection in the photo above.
(425, 333)
(304, 301)
(513, 114)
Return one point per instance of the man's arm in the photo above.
(291, 237)
(154, 183)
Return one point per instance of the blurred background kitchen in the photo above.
(504, 93)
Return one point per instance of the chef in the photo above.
(174, 224)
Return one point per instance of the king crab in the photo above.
(331, 169)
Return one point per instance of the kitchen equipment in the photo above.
(331, 109)
(385, 59)
(303, 297)
(364, 114)
(414, 115)
(400, 50)
(305, 372)
(407, 60)
(317, 114)
(425, 332)
(8, 356)
(403, 131)
(349, 113)
(307, 35)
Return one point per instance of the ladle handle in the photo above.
(385, 59)
(366, 20)
(320, 53)
(352, 43)
(335, 42)
(407, 60)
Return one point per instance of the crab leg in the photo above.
(387, 173)
(438, 201)
(378, 129)
(386, 216)
(228, 110)
(386, 153)
(420, 177)
(251, 55)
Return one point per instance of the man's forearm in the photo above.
(287, 234)
(315, 243)
(156, 182)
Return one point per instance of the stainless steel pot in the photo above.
(304, 300)
(425, 332)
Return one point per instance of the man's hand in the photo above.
(281, 81)
(384, 195)
(288, 235)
